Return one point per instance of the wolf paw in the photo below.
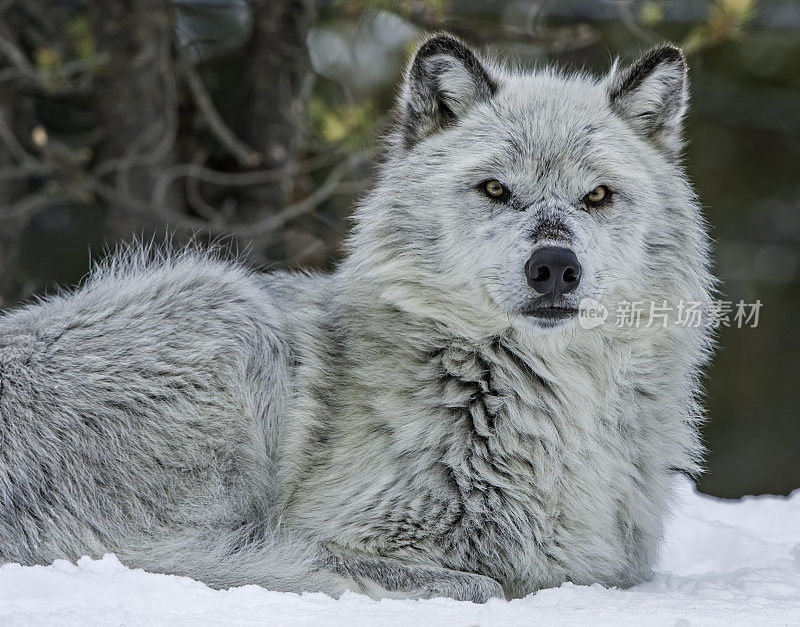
(466, 587)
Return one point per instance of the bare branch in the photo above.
(66, 73)
(25, 171)
(5, 5)
(238, 179)
(533, 16)
(625, 10)
(14, 146)
(27, 207)
(330, 187)
(555, 40)
(164, 128)
(13, 53)
(245, 155)
(199, 172)
(195, 198)
(177, 220)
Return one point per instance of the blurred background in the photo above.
(256, 122)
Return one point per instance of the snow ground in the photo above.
(724, 563)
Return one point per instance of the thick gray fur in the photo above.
(400, 427)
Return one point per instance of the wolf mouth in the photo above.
(551, 313)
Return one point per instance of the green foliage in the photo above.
(81, 39)
(651, 13)
(404, 8)
(47, 59)
(351, 124)
(726, 20)
(49, 63)
(53, 62)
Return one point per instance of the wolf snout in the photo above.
(553, 270)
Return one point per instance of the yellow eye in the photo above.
(598, 195)
(494, 189)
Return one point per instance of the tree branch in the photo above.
(245, 155)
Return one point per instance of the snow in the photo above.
(724, 563)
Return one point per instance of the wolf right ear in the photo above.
(443, 81)
(651, 95)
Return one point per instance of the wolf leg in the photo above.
(287, 563)
(276, 560)
(381, 577)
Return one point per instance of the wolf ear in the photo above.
(443, 81)
(651, 96)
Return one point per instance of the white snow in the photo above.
(724, 563)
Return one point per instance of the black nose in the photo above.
(553, 270)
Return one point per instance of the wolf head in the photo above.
(507, 197)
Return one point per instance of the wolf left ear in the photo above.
(443, 81)
(651, 96)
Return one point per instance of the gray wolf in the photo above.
(427, 420)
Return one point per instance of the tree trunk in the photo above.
(278, 81)
(10, 227)
(12, 188)
(136, 98)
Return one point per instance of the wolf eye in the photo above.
(600, 195)
(495, 190)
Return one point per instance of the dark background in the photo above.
(253, 124)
